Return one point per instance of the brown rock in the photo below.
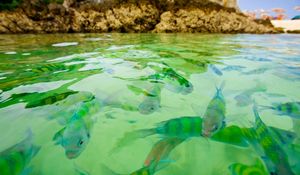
(139, 16)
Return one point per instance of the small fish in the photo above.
(256, 71)
(183, 128)
(245, 98)
(258, 59)
(214, 117)
(233, 68)
(242, 169)
(291, 109)
(151, 102)
(185, 86)
(14, 160)
(155, 160)
(174, 82)
(50, 99)
(75, 136)
(49, 68)
(216, 70)
(271, 148)
(161, 150)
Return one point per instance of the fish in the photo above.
(49, 68)
(256, 71)
(173, 81)
(214, 116)
(184, 127)
(272, 149)
(49, 99)
(242, 169)
(15, 159)
(258, 59)
(233, 68)
(161, 150)
(183, 85)
(245, 98)
(151, 102)
(215, 70)
(232, 135)
(156, 159)
(291, 109)
(75, 136)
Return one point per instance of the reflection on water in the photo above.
(149, 104)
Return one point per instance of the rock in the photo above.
(139, 16)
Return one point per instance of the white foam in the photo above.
(10, 53)
(70, 57)
(120, 47)
(98, 39)
(64, 44)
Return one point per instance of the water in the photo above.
(67, 101)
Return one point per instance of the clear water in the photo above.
(45, 79)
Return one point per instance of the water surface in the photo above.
(122, 83)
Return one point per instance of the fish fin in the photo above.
(216, 70)
(275, 95)
(80, 171)
(135, 90)
(255, 110)
(59, 136)
(220, 88)
(29, 134)
(27, 171)
(263, 107)
(35, 150)
(231, 135)
(223, 124)
(130, 137)
(284, 137)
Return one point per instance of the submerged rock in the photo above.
(136, 16)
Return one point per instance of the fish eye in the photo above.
(214, 128)
(80, 142)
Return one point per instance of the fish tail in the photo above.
(28, 139)
(255, 110)
(130, 137)
(29, 134)
(161, 150)
(220, 88)
(263, 107)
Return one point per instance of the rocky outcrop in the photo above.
(137, 16)
(201, 20)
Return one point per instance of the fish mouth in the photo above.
(206, 134)
(72, 154)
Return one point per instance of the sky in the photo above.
(288, 5)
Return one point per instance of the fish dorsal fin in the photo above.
(136, 90)
(59, 136)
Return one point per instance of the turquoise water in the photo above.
(86, 104)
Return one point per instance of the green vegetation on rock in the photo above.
(9, 4)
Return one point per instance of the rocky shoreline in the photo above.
(128, 16)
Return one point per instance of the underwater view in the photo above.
(145, 104)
